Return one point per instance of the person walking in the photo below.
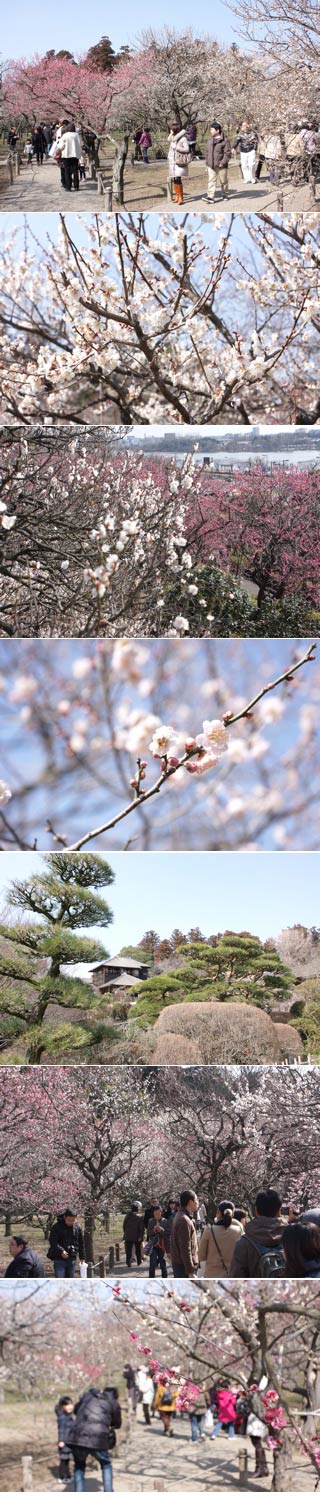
(98, 1417)
(156, 1240)
(133, 1231)
(169, 1217)
(66, 1245)
(145, 142)
(257, 1429)
(197, 1413)
(218, 1241)
(48, 135)
(218, 152)
(247, 139)
(184, 1243)
(70, 149)
(258, 1251)
(226, 1412)
(132, 1387)
(295, 153)
(64, 1414)
(274, 155)
(178, 159)
(301, 1249)
(146, 1388)
(165, 1403)
(191, 134)
(39, 144)
(25, 1263)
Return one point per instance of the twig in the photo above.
(170, 770)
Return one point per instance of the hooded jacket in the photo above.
(218, 151)
(25, 1266)
(261, 1233)
(217, 1245)
(184, 1243)
(96, 1412)
(226, 1405)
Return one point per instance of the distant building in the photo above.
(117, 973)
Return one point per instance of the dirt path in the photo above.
(144, 1460)
(39, 189)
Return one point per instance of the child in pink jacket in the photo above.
(226, 1412)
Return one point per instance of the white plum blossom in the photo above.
(5, 793)
(24, 686)
(164, 742)
(215, 737)
(261, 354)
(81, 667)
(181, 623)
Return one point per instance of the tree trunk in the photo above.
(283, 1465)
(118, 170)
(106, 1219)
(89, 1227)
(7, 1228)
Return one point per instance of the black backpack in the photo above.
(272, 1264)
(167, 1397)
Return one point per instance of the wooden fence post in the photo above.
(243, 1467)
(111, 1257)
(117, 1249)
(90, 1270)
(26, 1464)
(17, 163)
(101, 1266)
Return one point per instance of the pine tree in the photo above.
(102, 57)
(237, 968)
(149, 943)
(34, 954)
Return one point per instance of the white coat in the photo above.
(178, 143)
(70, 145)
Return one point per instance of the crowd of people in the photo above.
(208, 1410)
(184, 1239)
(213, 1410)
(66, 143)
(276, 1241)
(292, 153)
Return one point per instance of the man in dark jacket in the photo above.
(184, 1243)
(98, 1415)
(157, 1243)
(65, 1245)
(133, 1230)
(218, 154)
(25, 1263)
(264, 1232)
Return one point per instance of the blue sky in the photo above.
(256, 892)
(27, 29)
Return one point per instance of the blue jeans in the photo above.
(157, 1257)
(80, 1467)
(64, 1269)
(218, 1427)
(195, 1426)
